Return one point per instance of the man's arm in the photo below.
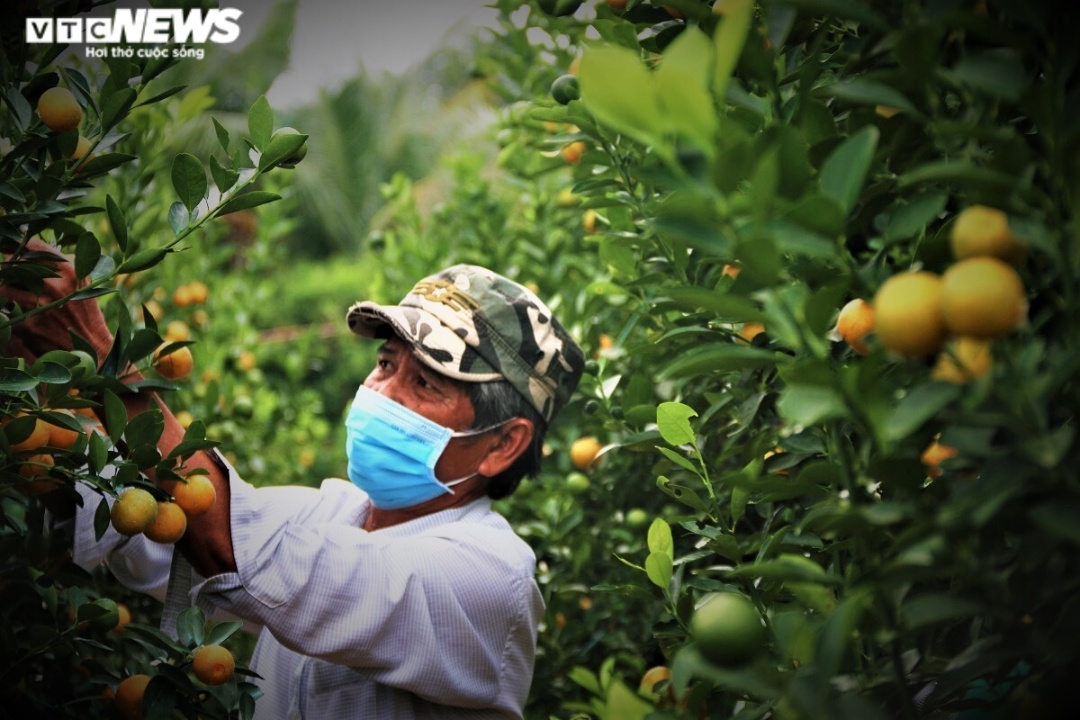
(207, 543)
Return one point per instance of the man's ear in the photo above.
(512, 440)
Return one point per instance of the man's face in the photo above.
(399, 376)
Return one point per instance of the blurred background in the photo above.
(403, 103)
(332, 42)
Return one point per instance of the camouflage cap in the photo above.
(471, 324)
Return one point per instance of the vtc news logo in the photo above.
(140, 26)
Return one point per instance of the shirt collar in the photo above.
(470, 512)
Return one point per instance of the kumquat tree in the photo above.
(823, 257)
(835, 245)
(83, 169)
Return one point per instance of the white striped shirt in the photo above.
(433, 618)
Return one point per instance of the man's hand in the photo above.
(51, 329)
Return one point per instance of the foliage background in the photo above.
(877, 585)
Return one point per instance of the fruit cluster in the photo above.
(958, 314)
(34, 439)
(138, 511)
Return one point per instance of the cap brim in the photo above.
(434, 344)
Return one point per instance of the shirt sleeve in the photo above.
(408, 611)
(137, 562)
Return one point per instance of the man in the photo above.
(401, 594)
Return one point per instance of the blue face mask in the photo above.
(392, 451)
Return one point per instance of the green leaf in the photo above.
(585, 678)
(919, 611)
(189, 180)
(10, 191)
(697, 232)
(116, 107)
(221, 632)
(682, 82)
(117, 222)
(222, 134)
(917, 407)
(13, 380)
(658, 566)
(817, 213)
(624, 704)
(158, 639)
(87, 254)
(660, 539)
(843, 173)
(163, 95)
(868, 92)
(143, 342)
(617, 32)
(51, 373)
(159, 699)
(719, 357)
(962, 173)
(911, 218)
(102, 519)
(179, 217)
(725, 306)
(97, 453)
(621, 93)
(619, 257)
(20, 428)
(838, 634)
(786, 568)
(796, 240)
(728, 41)
(739, 498)
(191, 626)
(127, 473)
(810, 404)
(156, 66)
(775, 487)
(101, 164)
(224, 178)
(260, 123)
(764, 183)
(752, 679)
(677, 459)
(115, 416)
(145, 429)
(673, 420)
(282, 145)
(87, 293)
(683, 494)
(20, 108)
(998, 73)
(814, 596)
(143, 259)
(247, 200)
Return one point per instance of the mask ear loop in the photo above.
(464, 434)
(481, 431)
